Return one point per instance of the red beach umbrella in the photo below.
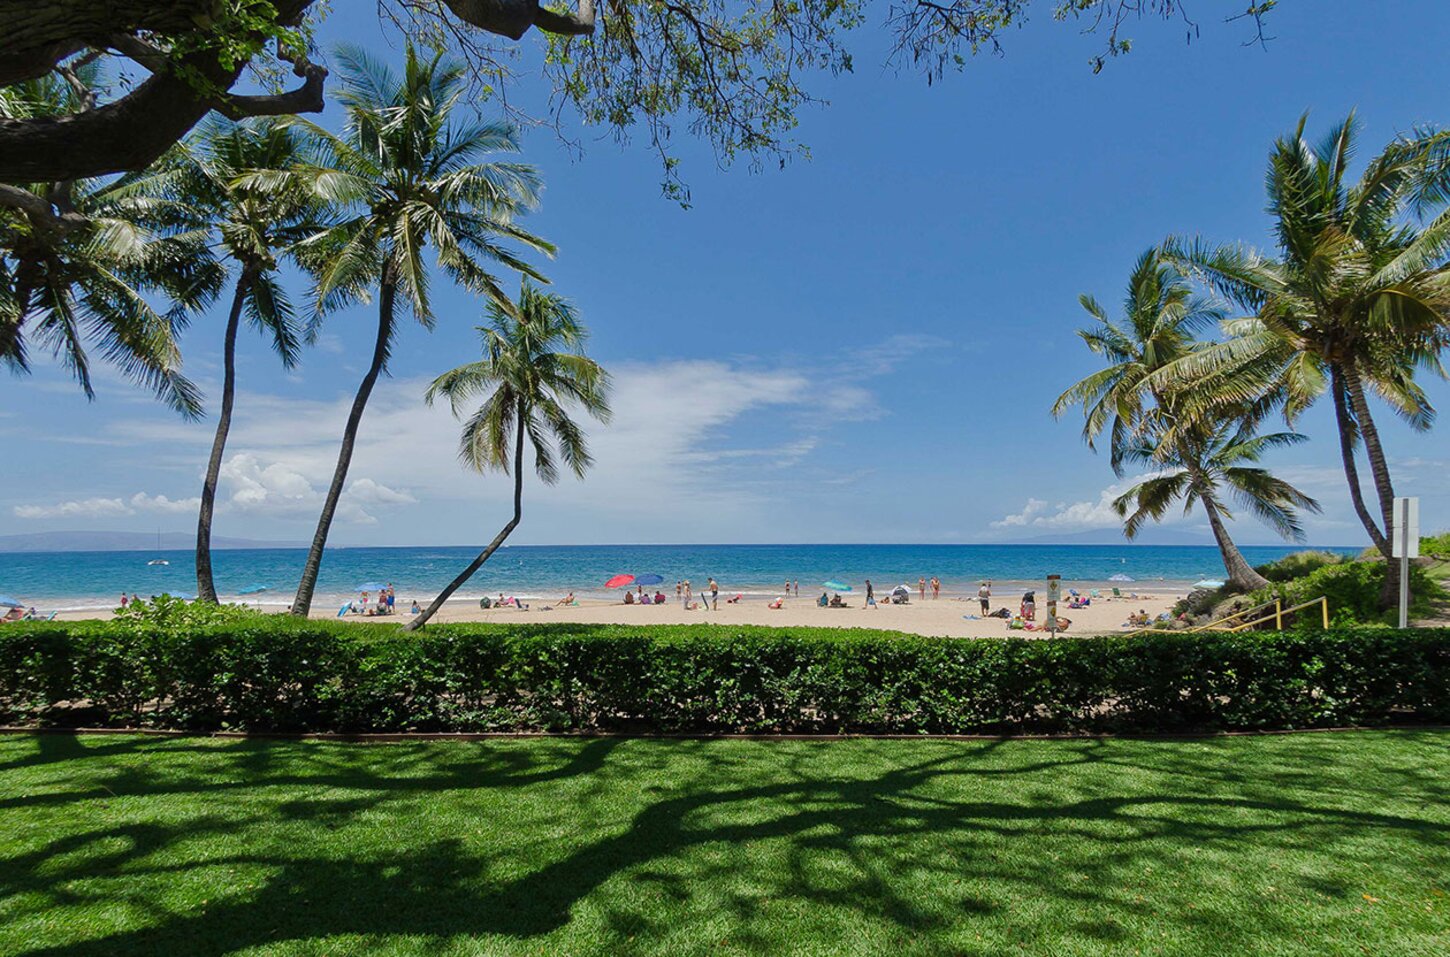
(619, 581)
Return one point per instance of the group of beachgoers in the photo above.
(386, 604)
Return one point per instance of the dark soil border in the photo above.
(398, 737)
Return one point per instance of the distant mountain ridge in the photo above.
(123, 542)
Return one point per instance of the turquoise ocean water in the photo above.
(96, 579)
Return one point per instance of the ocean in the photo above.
(90, 580)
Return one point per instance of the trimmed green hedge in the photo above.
(276, 674)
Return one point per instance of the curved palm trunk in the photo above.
(493, 546)
(205, 586)
(1351, 470)
(302, 604)
(1379, 470)
(1241, 574)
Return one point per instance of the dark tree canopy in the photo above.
(731, 71)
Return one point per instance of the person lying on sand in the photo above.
(777, 604)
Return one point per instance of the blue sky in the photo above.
(858, 347)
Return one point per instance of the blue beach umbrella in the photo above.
(836, 586)
(253, 589)
(7, 602)
(647, 579)
(369, 586)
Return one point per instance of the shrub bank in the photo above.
(279, 675)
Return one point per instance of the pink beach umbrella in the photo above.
(619, 581)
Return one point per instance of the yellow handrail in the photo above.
(1277, 617)
(1238, 614)
(1279, 614)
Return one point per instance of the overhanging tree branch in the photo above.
(305, 99)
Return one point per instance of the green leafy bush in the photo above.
(1298, 565)
(274, 674)
(1433, 545)
(173, 614)
(1353, 590)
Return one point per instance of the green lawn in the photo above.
(1304, 844)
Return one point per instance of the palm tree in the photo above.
(79, 269)
(533, 369)
(1197, 467)
(1162, 319)
(1356, 301)
(1150, 422)
(407, 175)
(201, 183)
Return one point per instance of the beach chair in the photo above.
(342, 611)
(1095, 593)
(1117, 594)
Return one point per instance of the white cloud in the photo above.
(160, 503)
(722, 442)
(99, 507)
(252, 485)
(1083, 515)
(667, 446)
(1031, 510)
(367, 491)
(82, 508)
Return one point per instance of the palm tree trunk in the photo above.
(1241, 574)
(1351, 470)
(387, 290)
(493, 546)
(205, 586)
(1379, 470)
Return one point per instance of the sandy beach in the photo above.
(946, 616)
(932, 617)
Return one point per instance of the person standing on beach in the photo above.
(797, 587)
(984, 595)
(124, 601)
(870, 595)
(921, 588)
(935, 588)
(714, 596)
(680, 591)
(687, 593)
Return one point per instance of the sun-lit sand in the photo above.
(934, 617)
(945, 616)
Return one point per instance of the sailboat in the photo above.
(158, 561)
